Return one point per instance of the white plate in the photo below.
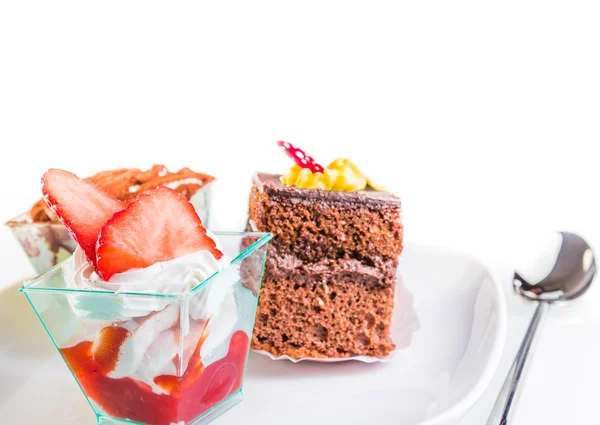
(435, 380)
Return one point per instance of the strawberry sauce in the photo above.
(190, 395)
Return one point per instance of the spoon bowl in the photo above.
(571, 274)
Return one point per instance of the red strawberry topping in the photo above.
(160, 226)
(301, 158)
(82, 207)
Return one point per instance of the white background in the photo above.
(483, 116)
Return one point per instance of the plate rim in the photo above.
(464, 405)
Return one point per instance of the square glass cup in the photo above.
(156, 358)
(46, 243)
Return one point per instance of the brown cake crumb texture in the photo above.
(312, 230)
(127, 183)
(330, 274)
(339, 316)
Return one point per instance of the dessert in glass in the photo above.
(153, 315)
(47, 242)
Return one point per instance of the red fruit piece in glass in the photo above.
(197, 391)
(107, 344)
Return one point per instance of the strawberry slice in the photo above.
(300, 157)
(82, 207)
(160, 226)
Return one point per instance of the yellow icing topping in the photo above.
(340, 176)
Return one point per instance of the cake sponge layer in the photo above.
(338, 318)
(332, 228)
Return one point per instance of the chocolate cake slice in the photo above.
(330, 274)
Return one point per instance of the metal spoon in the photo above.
(571, 274)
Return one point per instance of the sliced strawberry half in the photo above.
(160, 226)
(82, 207)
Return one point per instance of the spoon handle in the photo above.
(502, 409)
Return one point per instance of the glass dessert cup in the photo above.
(156, 358)
(47, 243)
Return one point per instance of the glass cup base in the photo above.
(204, 419)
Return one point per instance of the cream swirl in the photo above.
(176, 276)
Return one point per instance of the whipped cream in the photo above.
(159, 328)
(176, 276)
